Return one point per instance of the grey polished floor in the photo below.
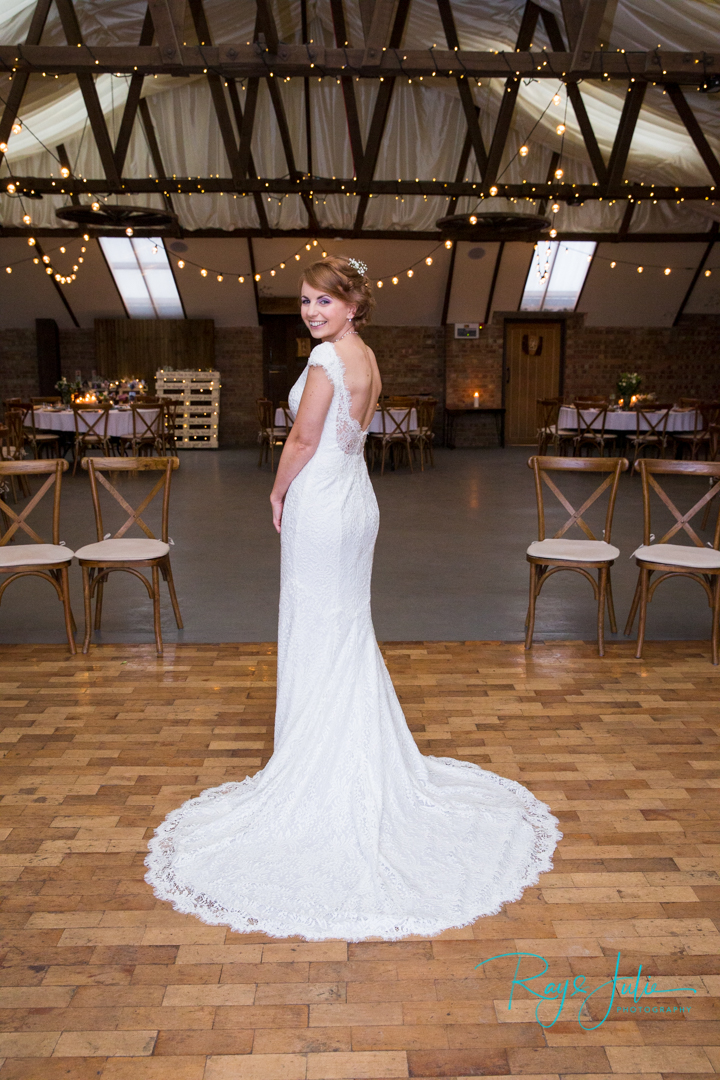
(449, 564)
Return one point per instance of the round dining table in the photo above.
(376, 424)
(119, 420)
(626, 421)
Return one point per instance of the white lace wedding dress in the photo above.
(348, 831)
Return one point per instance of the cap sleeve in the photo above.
(324, 356)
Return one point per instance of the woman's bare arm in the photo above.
(304, 437)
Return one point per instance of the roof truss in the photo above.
(161, 49)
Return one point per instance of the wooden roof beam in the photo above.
(266, 26)
(247, 165)
(20, 78)
(589, 34)
(472, 114)
(71, 29)
(348, 88)
(624, 135)
(168, 18)
(694, 130)
(573, 91)
(376, 41)
(380, 115)
(507, 105)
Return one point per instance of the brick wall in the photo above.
(680, 361)
(18, 364)
(238, 355)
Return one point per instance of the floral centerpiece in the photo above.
(68, 390)
(628, 385)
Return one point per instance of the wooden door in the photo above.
(286, 347)
(533, 362)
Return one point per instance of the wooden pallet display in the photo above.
(198, 397)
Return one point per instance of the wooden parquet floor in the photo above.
(99, 979)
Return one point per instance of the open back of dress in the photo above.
(348, 831)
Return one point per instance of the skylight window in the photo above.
(557, 274)
(143, 276)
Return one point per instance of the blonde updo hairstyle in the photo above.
(336, 276)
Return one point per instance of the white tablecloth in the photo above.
(627, 421)
(375, 423)
(119, 421)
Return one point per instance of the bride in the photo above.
(348, 831)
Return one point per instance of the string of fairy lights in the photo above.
(272, 271)
(45, 260)
(542, 261)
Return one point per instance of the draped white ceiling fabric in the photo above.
(423, 135)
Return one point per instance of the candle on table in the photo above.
(476, 399)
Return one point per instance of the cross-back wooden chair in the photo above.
(547, 556)
(119, 552)
(547, 412)
(49, 399)
(147, 433)
(91, 424)
(395, 432)
(422, 436)
(650, 431)
(591, 421)
(695, 440)
(270, 436)
(40, 441)
(12, 448)
(696, 561)
(170, 407)
(38, 559)
(591, 399)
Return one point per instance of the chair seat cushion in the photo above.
(33, 555)
(123, 550)
(680, 555)
(573, 550)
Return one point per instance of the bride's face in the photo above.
(324, 315)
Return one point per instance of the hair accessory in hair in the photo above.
(359, 266)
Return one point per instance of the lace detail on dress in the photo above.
(348, 431)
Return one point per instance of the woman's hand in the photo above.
(277, 502)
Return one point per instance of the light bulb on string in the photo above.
(410, 273)
(64, 172)
(282, 266)
(555, 207)
(32, 241)
(708, 273)
(640, 269)
(448, 244)
(8, 269)
(62, 250)
(219, 277)
(307, 247)
(11, 189)
(46, 258)
(85, 237)
(297, 256)
(3, 147)
(272, 273)
(524, 150)
(493, 190)
(428, 261)
(203, 272)
(241, 279)
(181, 264)
(560, 129)
(257, 277)
(16, 126)
(553, 232)
(95, 206)
(473, 219)
(556, 99)
(379, 284)
(27, 220)
(48, 269)
(667, 271)
(128, 231)
(394, 281)
(613, 265)
(559, 174)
